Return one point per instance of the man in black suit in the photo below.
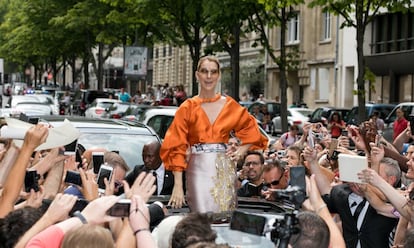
(362, 225)
(153, 164)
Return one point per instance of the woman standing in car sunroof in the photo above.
(201, 127)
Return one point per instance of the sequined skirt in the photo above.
(211, 178)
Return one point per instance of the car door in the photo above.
(160, 124)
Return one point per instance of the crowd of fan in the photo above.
(375, 213)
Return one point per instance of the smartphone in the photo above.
(332, 147)
(120, 209)
(31, 181)
(297, 177)
(70, 149)
(411, 120)
(311, 140)
(104, 172)
(98, 160)
(80, 204)
(73, 177)
(248, 223)
(78, 158)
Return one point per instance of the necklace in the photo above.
(214, 99)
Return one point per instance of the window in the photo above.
(293, 30)
(323, 76)
(326, 26)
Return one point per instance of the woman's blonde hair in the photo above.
(91, 236)
(209, 58)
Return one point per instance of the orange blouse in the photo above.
(192, 126)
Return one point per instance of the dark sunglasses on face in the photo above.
(274, 183)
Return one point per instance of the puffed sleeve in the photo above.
(174, 147)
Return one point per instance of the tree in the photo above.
(185, 19)
(226, 28)
(269, 14)
(359, 14)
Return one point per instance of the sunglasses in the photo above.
(274, 183)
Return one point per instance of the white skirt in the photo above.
(211, 182)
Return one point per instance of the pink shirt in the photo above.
(51, 237)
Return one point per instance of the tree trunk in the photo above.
(73, 65)
(86, 70)
(361, 60)
(282, 69)
(235, 62)
(100, 66)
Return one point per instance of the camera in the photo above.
(281, 153)
(318, 136)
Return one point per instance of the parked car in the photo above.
(14, 100)
(407, 107)
(100, 108)
(160, 120)
(296, 116)
(383, 109)
(33, 109)
(86, 98)
(323, 114)
(120, 109)
(18, 88)
(113, 135)
(272, 107)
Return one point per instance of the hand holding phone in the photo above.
(104, 172)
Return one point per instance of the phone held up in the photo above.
(297, 177)
(31, 181)
(73, 177)
(98, 160)
(120, 209)
(104, 172)
(70, 149)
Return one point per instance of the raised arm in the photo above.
(396, 199)
(324, 185)
(34, 137)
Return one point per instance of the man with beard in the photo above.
(254, 161)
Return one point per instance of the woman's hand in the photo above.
(177, 197)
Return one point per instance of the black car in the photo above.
(323, 114)
(86, 98)
(272, 107)
(382, 108)
(128, 138)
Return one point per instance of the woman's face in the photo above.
(292, 158)
(208, 75)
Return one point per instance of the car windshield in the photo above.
(115, 141)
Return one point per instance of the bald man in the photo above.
(153, 163)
